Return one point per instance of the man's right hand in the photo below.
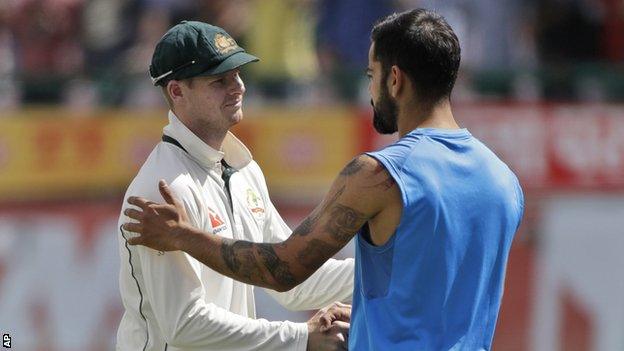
(159, 225)
(328, 329)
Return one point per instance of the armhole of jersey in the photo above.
(389, 166)
(138, 288)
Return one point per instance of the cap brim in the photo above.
(236, 60)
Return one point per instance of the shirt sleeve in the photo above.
(333, 281)
(174, 292)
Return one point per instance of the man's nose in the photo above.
(238, 86)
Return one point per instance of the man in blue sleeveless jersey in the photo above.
(434, 214)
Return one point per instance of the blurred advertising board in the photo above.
(59, 265)
(59, 260)
(579, 283)
(59, 270)
(550, 146)
(47, 154)
(301, 150)
(52, 154)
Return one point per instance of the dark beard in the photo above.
(385, 114)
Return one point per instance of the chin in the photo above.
(237, 117)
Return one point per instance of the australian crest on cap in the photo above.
(224, 44)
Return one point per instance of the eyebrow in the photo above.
(218, 76)
(221, 75)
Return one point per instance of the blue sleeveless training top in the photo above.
(438, 281)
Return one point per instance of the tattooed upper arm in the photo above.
(352, 167)
(359, 192)
(356, 196)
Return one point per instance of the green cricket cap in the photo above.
(191, 49)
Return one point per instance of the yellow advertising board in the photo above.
(52, 154)
(300, 150)
(44, 155)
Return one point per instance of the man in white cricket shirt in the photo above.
(173, 302)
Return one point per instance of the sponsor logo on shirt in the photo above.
(217, 224)
(255, 204)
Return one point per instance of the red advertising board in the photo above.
(550, 146)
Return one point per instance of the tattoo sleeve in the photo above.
(259, 264)
(239, 258)
(309, 223)
(283, 265)
(256, 264)
(311, 257)
(278, 268)
(306, 226)
(343, 223)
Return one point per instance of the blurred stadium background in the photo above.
(542, 82)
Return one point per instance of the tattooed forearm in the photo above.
(239, 257)
(256, 264)
(277, 267)
(318, 237)
(344, 222)
(229, 250)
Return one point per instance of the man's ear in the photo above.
(397, 81)
(174, 89)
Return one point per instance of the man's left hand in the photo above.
(159, 225)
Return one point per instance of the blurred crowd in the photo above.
(92, 53)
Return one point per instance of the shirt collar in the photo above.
(232, 150)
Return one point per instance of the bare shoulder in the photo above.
(359, 163)
(368, 172)
(369, 183)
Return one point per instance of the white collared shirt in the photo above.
(172, 301)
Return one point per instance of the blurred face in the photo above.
(213, 102)
(384, 106)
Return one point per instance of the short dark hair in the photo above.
(422, 44)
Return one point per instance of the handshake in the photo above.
(328, 329)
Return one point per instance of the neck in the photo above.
(413, 116)
(207, 132)
(212, 139)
